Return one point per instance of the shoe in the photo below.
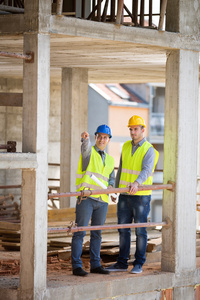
(116, 268)
(99, 270)
(79, 272)
(136, 269)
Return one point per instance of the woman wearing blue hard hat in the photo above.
(93, 161)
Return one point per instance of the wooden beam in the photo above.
(119, 11)
(11, 99)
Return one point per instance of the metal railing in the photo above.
(85, 193)
(73, 228)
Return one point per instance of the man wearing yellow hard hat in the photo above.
(137, 163)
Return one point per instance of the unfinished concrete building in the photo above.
(62, 53)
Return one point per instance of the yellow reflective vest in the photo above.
(96, 167)
(132, 165)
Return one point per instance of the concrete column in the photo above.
(180, 161)
(198, 169)
(35, 181)
(183, 16)
(74, 104)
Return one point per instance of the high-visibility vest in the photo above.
(132, 165)
(96, 167)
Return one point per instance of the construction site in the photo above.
(51, 53)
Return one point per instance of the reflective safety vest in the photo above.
(132, 165)
(96, 167)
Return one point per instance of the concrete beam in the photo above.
(11, 99)
(98, 30)
(36, 86)
(180, 161)
(12, 24)
(18, 24)
(74, 103)
(18, 161)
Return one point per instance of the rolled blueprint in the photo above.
(101, 184)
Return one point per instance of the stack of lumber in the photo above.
(9, 209)
(59, 243)
(110, 238)
(10, 235)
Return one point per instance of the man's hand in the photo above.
(85, 135)
(133, 188)
(114, 199)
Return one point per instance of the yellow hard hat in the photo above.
(136, 120)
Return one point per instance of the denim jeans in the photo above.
(86, 210)
(129, 208)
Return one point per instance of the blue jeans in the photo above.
(129, 208)
(97, 211)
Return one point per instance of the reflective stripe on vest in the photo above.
(132, 165)
(99, 176)
(96, 167)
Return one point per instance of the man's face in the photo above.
(102, 139)
(136, 133)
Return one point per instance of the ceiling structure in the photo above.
(120, 54)
(107, 61)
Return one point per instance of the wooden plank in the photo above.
(112, 251)
(64, 255)
(10, 239)
(150, 12)
(9, 244)
(57, 235)
(10, 226)
(142, 13)
(99, 10)
(59, 224)
(135, 12)
(59, 244)
(112, 16)
(119, 11)
(64, 214)
(68, 214)
(154, 245)
(11, 99)
(55, 252)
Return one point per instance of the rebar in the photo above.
(10, 186)
(27, 57)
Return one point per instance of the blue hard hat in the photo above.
(104, 129)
